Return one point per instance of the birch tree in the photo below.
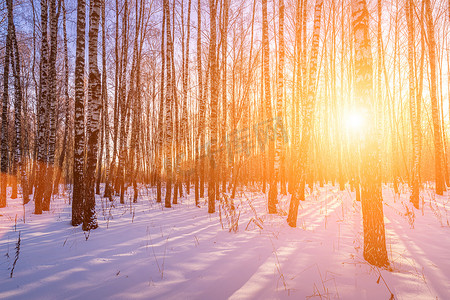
(19, 167)
(372, 207)
(42, 130)
(93, 117)
(5, 98)
(413, 104)
(214, 100)
(273, 191)
(307, 116)
(62, 154)
(279, 149)
(51, 105)
(160, 138)
(79, 138)
(168, 138)
(438, 147)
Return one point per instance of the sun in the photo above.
(355, 120)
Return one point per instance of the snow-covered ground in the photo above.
(143, 250)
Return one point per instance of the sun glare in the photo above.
(355, 121)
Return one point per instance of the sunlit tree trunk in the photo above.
(224, 170)
(262, 113)
(279, 149)
(124, 108)
(109, 185)
(176, 123)
(134, 103)
(19, 168)
(104, 101)
(394, 127)
(412, 104)
(79, 138)
(304, 99)
(137, 108)
(160, 132)
(420, 85)
(168, 138)
(297, 91)
(36, 91)
(337, 105)
(202, 112)
(273, 191)
(308, 113)
(63, 154)
(372, 207)
(93, 117)
(43, 111)
(184, 120)
(5, 99)
(214, 100)
(438, 147)
(15, 146)
(51, 105)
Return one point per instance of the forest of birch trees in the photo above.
(210, 97)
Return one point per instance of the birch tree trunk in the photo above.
(19, 166)
(308, 114)
(202, 113)
(79, 138)
(184, 120)
(5, 98)
(273, 190)
(51, 105)
(168, 139)
(177, 187)
(42, 132)
(412, 105)
(438, 147)
(105, 116)
(124, 109)
(66, 104)
(298, 90)
(223, 138)
(214, 100)
(109, 184)
(279, 149)
(13, 151)
(372, 207)
(159, 144)
(93, 117)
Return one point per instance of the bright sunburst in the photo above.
(355, 120)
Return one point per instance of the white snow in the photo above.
(143, 250)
